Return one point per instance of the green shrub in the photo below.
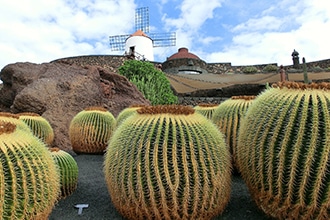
(270, 68)
(317, 69)
(151, 82)
(250, 69)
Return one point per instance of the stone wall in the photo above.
(177, 65)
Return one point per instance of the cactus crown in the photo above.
(8, 114)
(244, 97)
(169, 109)
(28, 114)
(302, 86)
(206, 105)
(96, 108)
(7, 127)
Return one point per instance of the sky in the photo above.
(241, 32)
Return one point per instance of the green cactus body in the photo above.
(283, 151)
(29, 183)
(39, 125)
(125, 113)
(168, 162)
(91, 129)
(227, 118)
(206, 109)
(67, 169)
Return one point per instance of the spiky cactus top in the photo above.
(29, 183)
(283, 151)
(206, 109)
(125, 113)
(168, 162)
(39, 126)
(91, 129)
(68, 171)
(14, 118)
(227, 117)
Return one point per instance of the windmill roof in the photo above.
(139, 33)
(183, 53)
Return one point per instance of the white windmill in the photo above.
(139, 45)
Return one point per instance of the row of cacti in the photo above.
(32, 178)
(171, 162)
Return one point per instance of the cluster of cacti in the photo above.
(68, 171)
(126, 112)
(227, 118)
(206, 109)
(283, 151)
(29, 184)
(40, 127)
(91, 129)
(168, 162)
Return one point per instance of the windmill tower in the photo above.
(140, 44)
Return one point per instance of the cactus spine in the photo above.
(91, 129)
(67, 169)
(168, 162)
(227, 118)
(29, 183)
(283, 150)
(206, 109)
(39, 125)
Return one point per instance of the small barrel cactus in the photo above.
(206, 109)
(67, 169)
(39, 125)
(91, 129)
(125, 113)
(168, 162)
(29, 183)
(283, 150)
(227, 118)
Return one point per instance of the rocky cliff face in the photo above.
(58, 91)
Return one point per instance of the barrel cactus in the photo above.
(283, 150)
(91, 129)
(206, 109)
(29, 184)
(14, 118)
(227, 118)
(39, 125)
(168, 162)
(67, 169)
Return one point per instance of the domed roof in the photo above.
(183, 53)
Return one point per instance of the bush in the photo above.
(270, 68)
(250, 69)
(317, 69)
(151, 82)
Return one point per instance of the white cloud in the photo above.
(267, 39)
(41, 31)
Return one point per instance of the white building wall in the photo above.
(142, 46)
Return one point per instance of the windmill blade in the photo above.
(163, 39)
(117, 42)
(142, 19)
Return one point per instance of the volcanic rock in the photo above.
(58, 91)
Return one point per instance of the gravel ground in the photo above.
(92, 190)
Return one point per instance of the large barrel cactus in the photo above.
(227, 117)
(168, 162)
(67, 169)
(206, 109)
(29, 183)
(14, 118)
(39, 125)
(91, 129)
(283, 151)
